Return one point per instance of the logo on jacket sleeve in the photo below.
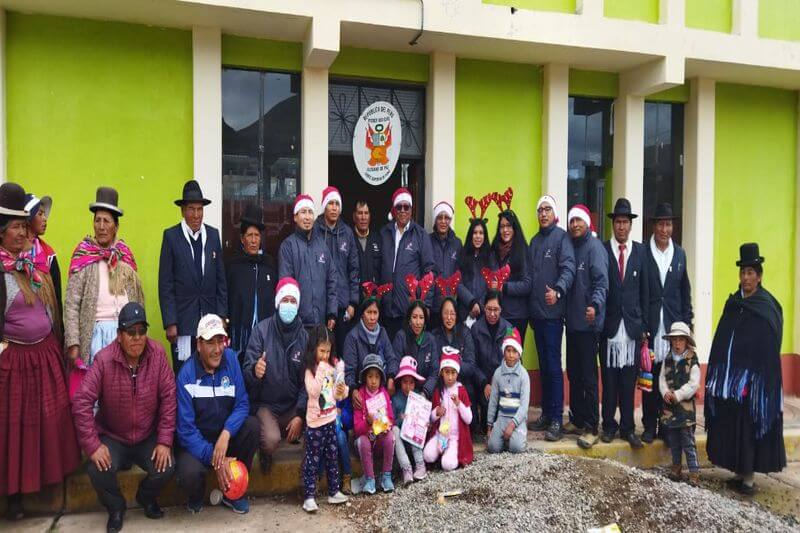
(410, 247)
(548, 254)
(582, 265)
(321, 259)
(375, 247)
(226, 382)
(296, 357)
(343, 247)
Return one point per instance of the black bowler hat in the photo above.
(12, 200)
(749, 255)
(132, 313)
(192, 193)
(663, 212)
(252, 216)
(106, 198)
(622, 209)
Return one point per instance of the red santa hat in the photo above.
(513, 339)
(331, 194)
(451, 358)
(443, 207)
(287, 286)
(582, 212)
(303, 201)
(549, 200)
(400, 196)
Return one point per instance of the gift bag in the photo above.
(644, 381)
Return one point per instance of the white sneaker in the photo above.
(215, 497)
(337, 498)
(310, 506)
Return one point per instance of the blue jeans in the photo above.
(547, 333)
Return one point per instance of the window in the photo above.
(589, 156)
(260, 151)
(663, 162)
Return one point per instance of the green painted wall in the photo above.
(499, 142)
(261, 53)
(779, 19)
(644, 10)
(744, 209)
(563, 6)
(593, 83)
(98, 103)
(379, 64)
(715, 15)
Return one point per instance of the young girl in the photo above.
(678, 382)
(507, 419)
(451, 417)
(325, 385)
(372, 424)
(408, 378)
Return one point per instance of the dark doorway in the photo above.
(663, 163)
(347, 99)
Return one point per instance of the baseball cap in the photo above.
(210, 326)
(132, 313)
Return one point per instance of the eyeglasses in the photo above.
(135, 331)
(505, 225)
(544, 209)
(492, 310)
(403, 207)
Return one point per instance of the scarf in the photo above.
(31, 263)
(372, 336)
(504, 248)
(88, 252)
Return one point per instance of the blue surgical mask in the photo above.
(287, 312)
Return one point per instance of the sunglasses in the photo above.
(136, 331)
(402, 207)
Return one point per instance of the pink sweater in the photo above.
(323, 384)
(360, 426)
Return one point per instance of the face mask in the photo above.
(287, 312)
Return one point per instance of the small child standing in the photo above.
(323, 390)
(451, 416)
(407, 378)
(678, 383)
(372, 424)
(508, 405)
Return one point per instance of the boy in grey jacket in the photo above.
(508, 404)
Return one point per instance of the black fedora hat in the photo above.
(106, 198)
(192, 193)
(622, 209)
(663, 212)
(749, 255)
(12, 200)
(252, 216)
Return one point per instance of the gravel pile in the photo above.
(540, 492)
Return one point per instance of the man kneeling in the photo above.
(135, 388)
(213, 425)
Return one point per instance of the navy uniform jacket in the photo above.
(488, 351)
(184, 298)
(310, 263)
(630, 299)
(370, 258)
(676, 294)
(551, 263)
(590, 287)
(344, 249)
(414, 256)
(445, 259)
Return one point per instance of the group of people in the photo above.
(329, 341)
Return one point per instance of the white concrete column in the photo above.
(555, 134)
(314, 151)
(628, 176)
(698, 206)
(745, 18)
(589, 8)
(3, 138)
(672, 13)
(440, 133)
(207, 102)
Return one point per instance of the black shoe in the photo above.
(151, 510)
(608, 436)
(114, 523)
(265, 462)
(648, 436)
(746, 490)
(14, 510)
(540, 424)
(554, 432)
(633, 440)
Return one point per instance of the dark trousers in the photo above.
(618, 390)
(341, 330)
(681, 441)
(122, 458)
(192, 473)
(582, 375)
(548, 333)
(522, 325)
(652, 403)
(392, 325)
(177, 364)
(321, 443)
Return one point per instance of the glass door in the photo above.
(663, 162)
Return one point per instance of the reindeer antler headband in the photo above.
(496, 278)
(483, 203)
(424, 284)
(449, 287)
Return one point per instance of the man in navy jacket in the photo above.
(626, 324)
(191, 275)
(670, 301)
(213, 421)
(406, 250)
(369, 244)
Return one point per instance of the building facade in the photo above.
(689, 101)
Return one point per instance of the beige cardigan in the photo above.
(80, 307)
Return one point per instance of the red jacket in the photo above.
(130, 411)
(465, 455)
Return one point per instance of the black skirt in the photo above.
(732, 443)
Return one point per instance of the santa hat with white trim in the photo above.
(443, 207)
(303, 201)
(330, 194)
(451, 358)
(400, 196)
(582, 212)
(287, 286)
(513, 339)
(549, 200)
